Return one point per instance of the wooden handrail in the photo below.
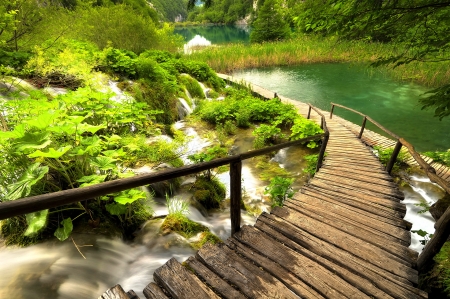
(51, 200)
(326, 137)
(442, 226)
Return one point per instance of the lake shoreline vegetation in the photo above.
(54, 141)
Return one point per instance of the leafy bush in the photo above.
(192, 86)
(311, 164)
(266, 135)
(279, 190)
(121, 62)
(385, 155)
(303, 128)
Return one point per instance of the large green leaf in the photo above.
(104, 163)
(88, 180)
(18, 132)
(22, 187)
(63, 232)
(116, 209)
(52, 153)
(81, 128)
(36, 140)
(44, 120)
(129, 196)
(36, 221)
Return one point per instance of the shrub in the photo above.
(279, 190)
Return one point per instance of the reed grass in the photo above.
(312, 49)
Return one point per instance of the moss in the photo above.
(268, 169)
(182, 225)
(192, 86)
(437, 281)
(209, 192)
(12, 230)
(206, 237)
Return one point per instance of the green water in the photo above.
(216, 34)
(392, 104)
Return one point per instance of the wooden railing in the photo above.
(442, 226)
(51, 200)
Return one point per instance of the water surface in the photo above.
(393, 104)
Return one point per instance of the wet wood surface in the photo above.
(341, 236)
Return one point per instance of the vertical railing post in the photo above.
(363, 126)
(309, 112)
(235, 196)
(331, 111)
(322, 151)
(395, 153)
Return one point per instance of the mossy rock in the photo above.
(182, 225)
(438, 208)
(209, 192)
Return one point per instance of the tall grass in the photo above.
(311, 49)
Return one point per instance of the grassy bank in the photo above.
(309, 49)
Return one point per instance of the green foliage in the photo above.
(177, 206)
(424, 205)
(266, 135)
(311, 164)
(121, 62)
(270, 24)
(441, 269)
(63, 232)
(303, 128)
(192, 86)
(385, 155)
(170, 10)
(221, 11)
(72, 141)
(279, 190)
(426, 236)
(440, 157)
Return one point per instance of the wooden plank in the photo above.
(116, 292)
(153, 291)
(379, 169)
(378, 174)
(352, 201)
(220, 286)
(360, 177)
(340, 262)
(181, 283)
(368, 252)
(291, 281)
(252, 281)
(361, 195)
(362, 187)
(315, 275)
(132, 295)
(372, 212)
(376, 237)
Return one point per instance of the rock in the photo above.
(438, 208)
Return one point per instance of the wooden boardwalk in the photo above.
(341, 236)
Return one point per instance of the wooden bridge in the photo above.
(342, 236)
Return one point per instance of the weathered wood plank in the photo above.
(383, 175)
(132, 295)
(248, 278)
(357, 166)
(212, 279)
(361, 195)
(353, 201)
(153, 291)
(341, 263)
(361, 186)
(318, 277)
(368, 252)
(360, 177)
(291, 281)
(180, 283)
(349, 205)
(116, 292)
(378, 238)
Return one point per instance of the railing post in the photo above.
(309, 112)
(322, 150)
(235, 196)
(395, 153)
(363, 126)
(331, 112)
(435, 244)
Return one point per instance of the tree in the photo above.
(420, 27)
(269, 24)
